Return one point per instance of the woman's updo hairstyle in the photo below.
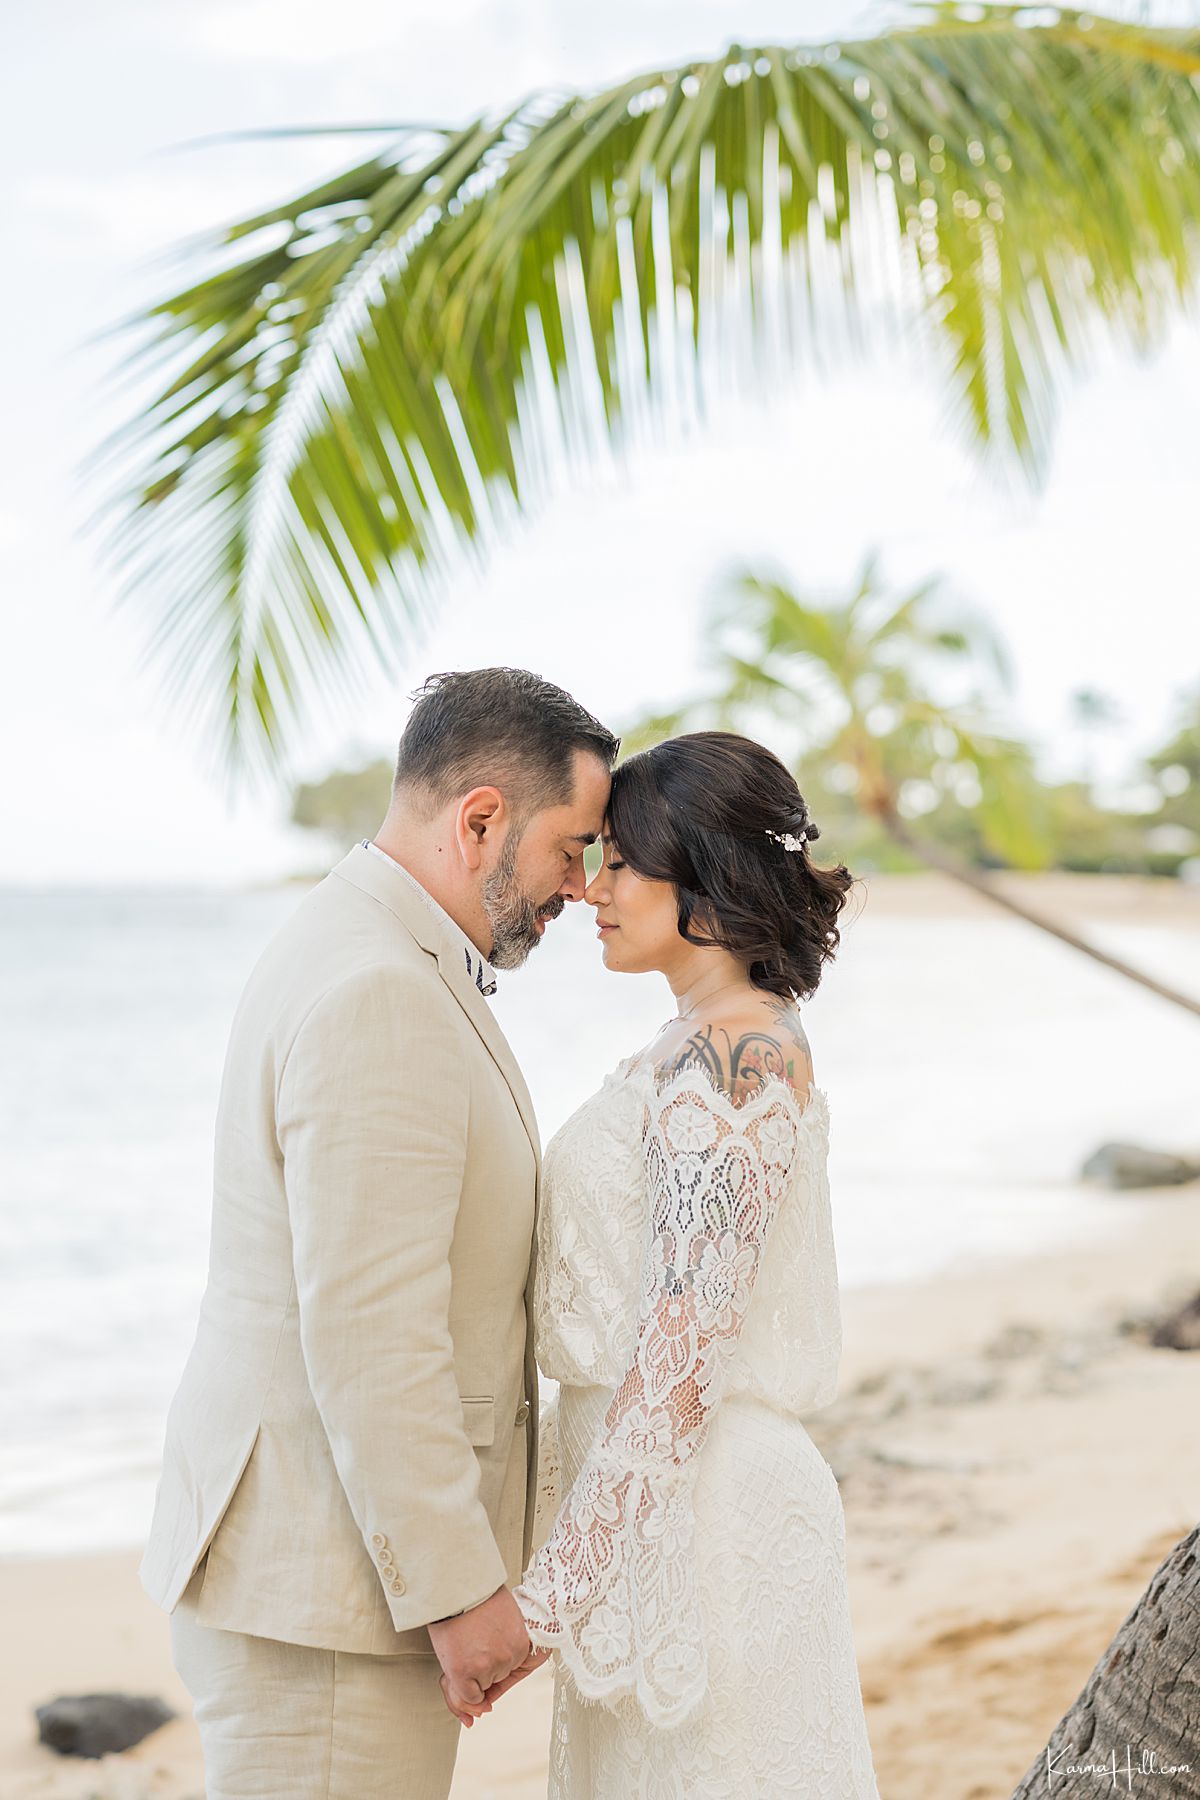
(713, 813)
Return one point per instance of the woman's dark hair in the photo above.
(699, 811)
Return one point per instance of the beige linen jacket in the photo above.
(354, 1439)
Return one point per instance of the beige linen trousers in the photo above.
(352, 1450)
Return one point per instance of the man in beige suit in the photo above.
(349, 1474)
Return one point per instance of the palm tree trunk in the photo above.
(1138, 1717)
(963, 872)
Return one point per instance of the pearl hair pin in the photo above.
(790, 841)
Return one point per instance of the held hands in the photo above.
(537, 1656)
(483, 1653)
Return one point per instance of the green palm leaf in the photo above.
(382, 372)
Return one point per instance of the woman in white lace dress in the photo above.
(690, 1573)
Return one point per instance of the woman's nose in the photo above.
(593, 893)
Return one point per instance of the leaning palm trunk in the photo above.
(1139, 1711)
(937, 858)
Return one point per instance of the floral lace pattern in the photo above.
(549, 1475)
(614, 1586)
(673, 1221)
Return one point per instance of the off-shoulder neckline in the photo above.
(773, 1086)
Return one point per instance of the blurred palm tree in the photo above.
(384, 370)
(1093, 712)
(848, 687)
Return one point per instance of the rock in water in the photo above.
(1130, 1166)
(97, 1724)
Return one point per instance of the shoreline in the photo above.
(989, 1563)
(1062, 893)
(1128, 898)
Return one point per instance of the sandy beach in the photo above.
(1014, 1461)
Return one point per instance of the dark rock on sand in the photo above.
(98, 1724)
(1180, 1329)
(1132, 1166)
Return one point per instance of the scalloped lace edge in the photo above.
(816, 1101)
(593, 1690)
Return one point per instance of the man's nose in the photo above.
(574, 883)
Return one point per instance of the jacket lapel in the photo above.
(386, 885)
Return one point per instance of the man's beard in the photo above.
(511, 914)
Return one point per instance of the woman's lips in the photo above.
(602, 929)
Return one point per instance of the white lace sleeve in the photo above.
(614, 1588)
(549, 1474)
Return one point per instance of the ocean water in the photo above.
(971, 1064)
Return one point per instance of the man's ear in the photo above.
(481, 811)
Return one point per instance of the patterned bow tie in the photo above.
(480, 971)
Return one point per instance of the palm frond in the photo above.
(384, 370)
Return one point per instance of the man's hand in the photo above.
(478, 1650)
(537, 1656)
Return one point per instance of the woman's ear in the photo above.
(702, 922)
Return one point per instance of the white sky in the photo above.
(1091, 580)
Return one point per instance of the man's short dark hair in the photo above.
(504, 728)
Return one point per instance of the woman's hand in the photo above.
(465, 1711)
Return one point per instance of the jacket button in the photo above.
(397, 1586)
(522, 1412)
(378, 1539)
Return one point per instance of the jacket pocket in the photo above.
(479, 1418)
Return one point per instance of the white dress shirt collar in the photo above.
(479, 968)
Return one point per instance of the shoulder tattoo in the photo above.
(740, 1063)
